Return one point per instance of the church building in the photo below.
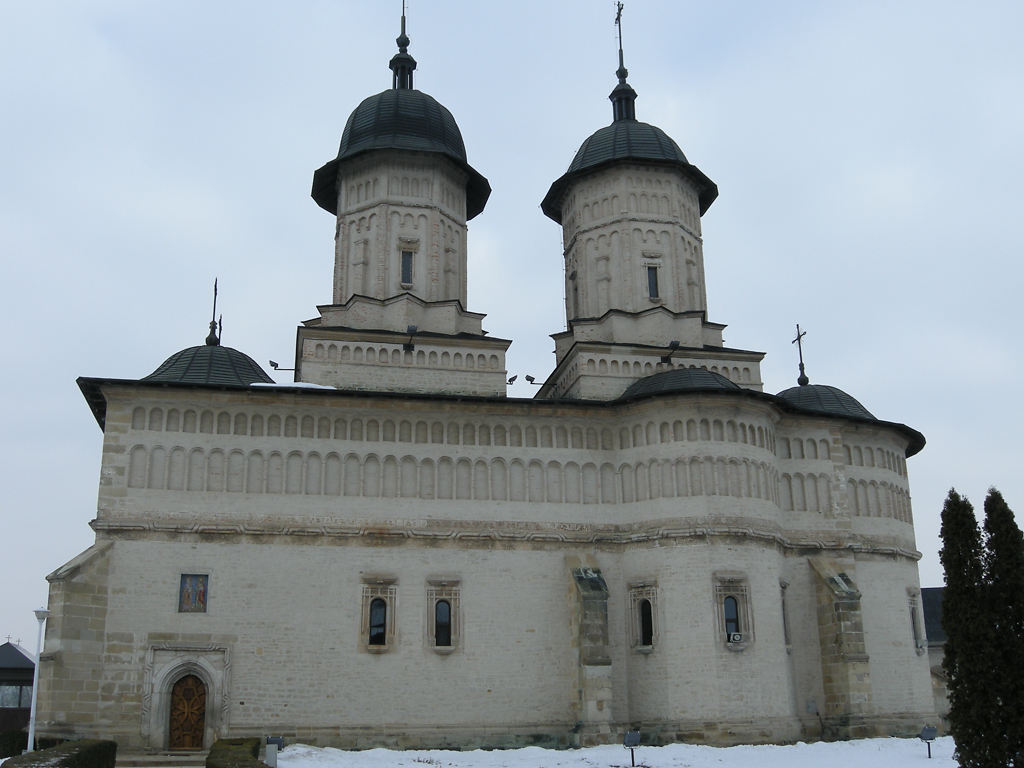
(393, 552)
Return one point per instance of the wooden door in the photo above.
(188, 713)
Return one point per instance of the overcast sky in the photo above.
(868, 155)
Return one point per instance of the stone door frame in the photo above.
(168, 663)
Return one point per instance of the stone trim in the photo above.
(164, 664)
(487, 532)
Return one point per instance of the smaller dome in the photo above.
(679, 380)
(210, 364)
(826, 400)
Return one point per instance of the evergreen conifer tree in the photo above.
(1004, 577)
(967, 660)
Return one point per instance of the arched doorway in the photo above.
(188, 713)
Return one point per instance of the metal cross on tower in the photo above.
(802, 379)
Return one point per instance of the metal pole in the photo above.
(41, 615)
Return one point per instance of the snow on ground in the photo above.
(865, 753)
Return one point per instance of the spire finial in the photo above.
(802, 379)
(622, 96)
(213, 339)
(402, 63)
(622, 72)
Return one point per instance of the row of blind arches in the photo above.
(872, 499)
(394, 355)
(453, 433)
(179, 469)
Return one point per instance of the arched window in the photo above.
(732, 615)
(643, 633)
(442, 624)
(378, 621)
(646, 623)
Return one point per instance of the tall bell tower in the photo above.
(402, 190)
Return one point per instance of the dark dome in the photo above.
(401, 118)
(626, 140)
(679, 380)
(826, 400)
(210, 364)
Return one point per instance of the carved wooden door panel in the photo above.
(188, 713)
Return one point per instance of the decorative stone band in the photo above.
(486, 533)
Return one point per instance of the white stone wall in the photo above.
(618, 222)
(395, 201)
(290, 501)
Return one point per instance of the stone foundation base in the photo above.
(568, 735)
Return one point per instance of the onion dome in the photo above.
(826, 400)
(211, 365)
(679, 380)
(626, 140)
(405, 119)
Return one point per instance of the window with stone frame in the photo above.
(444, 622)
(734, 616)
(783, 588)
(407, 249)
(643, 624)
(914, 608)
(377, 626)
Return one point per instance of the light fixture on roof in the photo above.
(672, 347)
(411, 330)
(277, 367)
(534, 381)
(511, 379)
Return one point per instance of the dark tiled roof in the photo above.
(12, 657)
(627, 140)
(830, 401)
(679, 380)
(210, 364)
(931, 605)
(401, 118)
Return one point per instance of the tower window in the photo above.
(406, 268)
(652, 282)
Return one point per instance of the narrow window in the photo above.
(406, 267)
(442, 624)
(785, 613)
(643, 625)
(915, 629)
(443, 614)
(652, 282)
(646, 623)
(732, 616)
(735, 619)
(378, 621)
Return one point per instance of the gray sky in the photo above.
(868, 156)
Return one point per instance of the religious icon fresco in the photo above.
(193, 592)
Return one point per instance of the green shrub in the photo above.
(234, 753)
(12, 743)
(87, 753)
